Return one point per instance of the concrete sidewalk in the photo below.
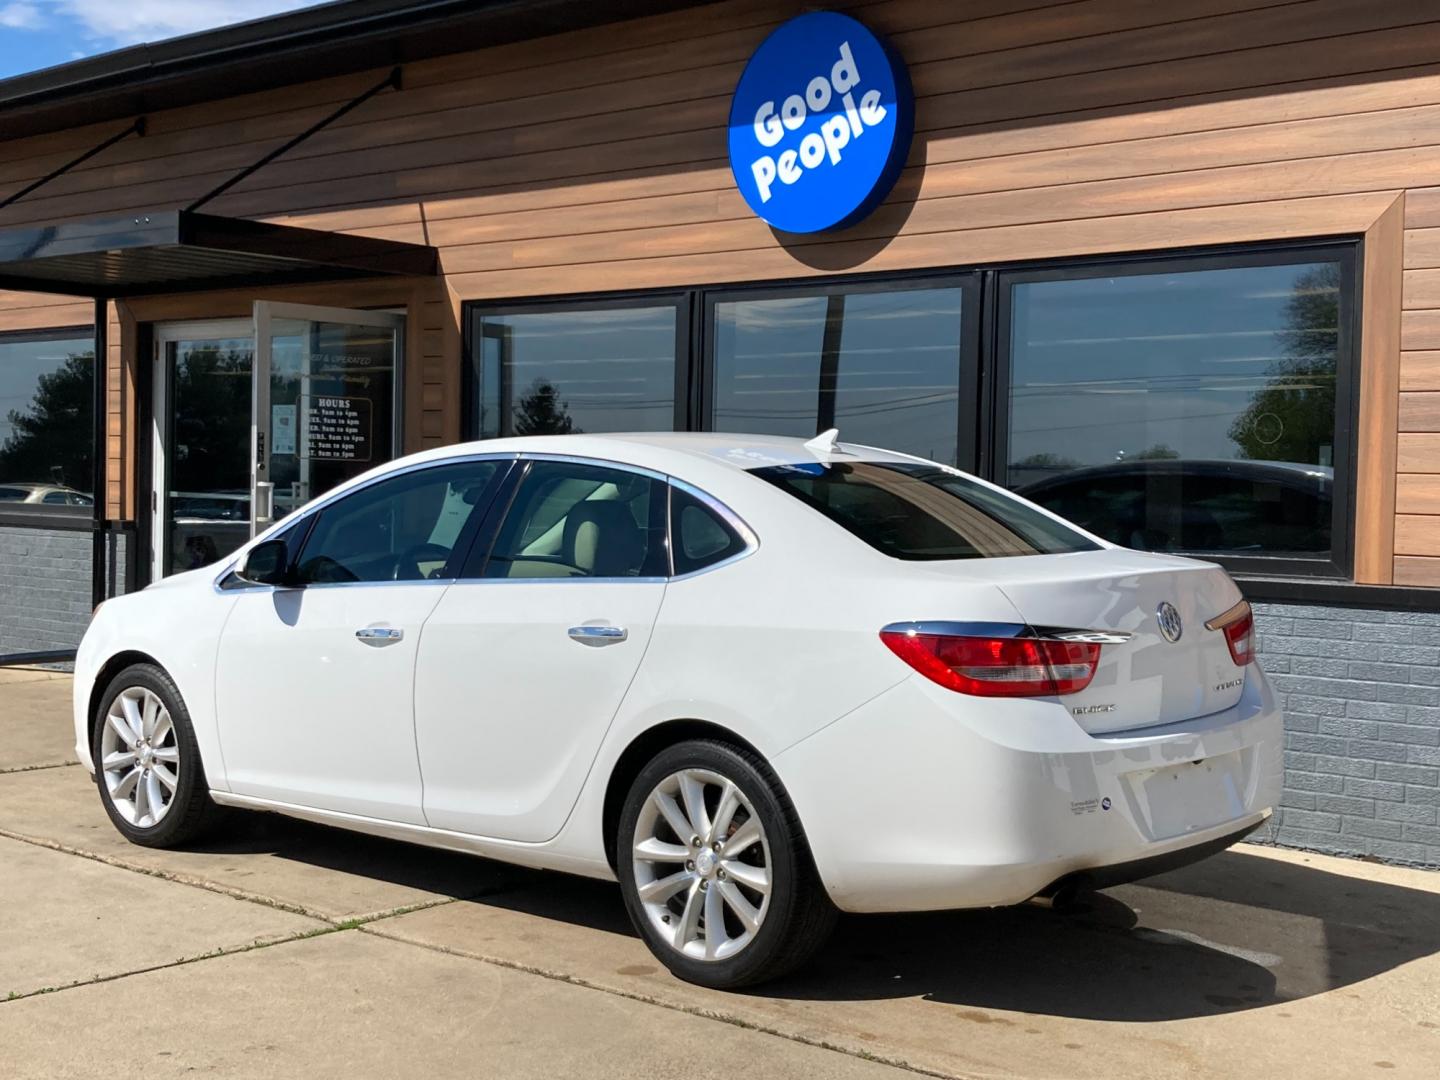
(278, 948)
(34, 719)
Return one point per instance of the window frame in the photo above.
(995, 408)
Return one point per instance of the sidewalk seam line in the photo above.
(688, 1010)
(236, 893)
(184, 961)
(36, 768)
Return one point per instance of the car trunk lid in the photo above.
(1145, 679)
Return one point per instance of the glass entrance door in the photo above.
(325, 406)
(201, 488)
(244, 435)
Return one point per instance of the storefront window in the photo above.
(1187, 403)
(586, 368)
(47, 421)
(882, 366)
(1187, 410)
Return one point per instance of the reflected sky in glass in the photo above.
(1217, 364)
(896, 367)
(557, 372)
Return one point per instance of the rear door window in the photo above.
(570, 520)
(916, 511)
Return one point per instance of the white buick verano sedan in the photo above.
(757, 680)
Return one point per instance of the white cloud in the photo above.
(126, 22)
(116, 23)
(20, 16)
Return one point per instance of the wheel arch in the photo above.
(106, 672)
(641, 749)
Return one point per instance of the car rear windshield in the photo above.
(918, 511)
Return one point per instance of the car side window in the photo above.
(403, 528)
(699, 536)
(55, 498)
(572, 520)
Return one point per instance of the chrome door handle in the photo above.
(598, 635)
(378, 636)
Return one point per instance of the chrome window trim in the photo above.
(330, 585)
(576, 459)
(584, 580)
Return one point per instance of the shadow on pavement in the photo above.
(1232, 933)
(448, 873)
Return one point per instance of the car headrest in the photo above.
(603, 539)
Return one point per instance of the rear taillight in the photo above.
(1238, 626)
(997, 667)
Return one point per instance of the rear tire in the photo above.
(736, 901)
(147, 765)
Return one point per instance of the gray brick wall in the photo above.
(45, 586)
(1361, 692)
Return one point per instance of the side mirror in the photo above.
(266, 563)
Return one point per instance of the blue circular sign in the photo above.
(820, 124)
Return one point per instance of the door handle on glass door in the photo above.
(264, 502)
(598, 635)
(379, 636)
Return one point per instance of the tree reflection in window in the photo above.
(47, 431)
(1293, 419)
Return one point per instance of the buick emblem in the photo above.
(1169, 620)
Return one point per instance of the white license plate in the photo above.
(1180, 799)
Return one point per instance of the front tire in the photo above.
(714, 868)
(147, 765)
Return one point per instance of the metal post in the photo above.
(100, 524)
(830, 363)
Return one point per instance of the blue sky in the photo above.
(37, 34)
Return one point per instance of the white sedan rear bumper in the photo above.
(920, 800)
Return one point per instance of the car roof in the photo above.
(659, 449)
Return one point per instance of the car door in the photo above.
(314, 682)
(526, 658)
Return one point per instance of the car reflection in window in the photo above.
(1196, 505)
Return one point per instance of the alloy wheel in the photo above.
(140, 757)
(702, 865)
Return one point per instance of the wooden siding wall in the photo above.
(596, 160)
